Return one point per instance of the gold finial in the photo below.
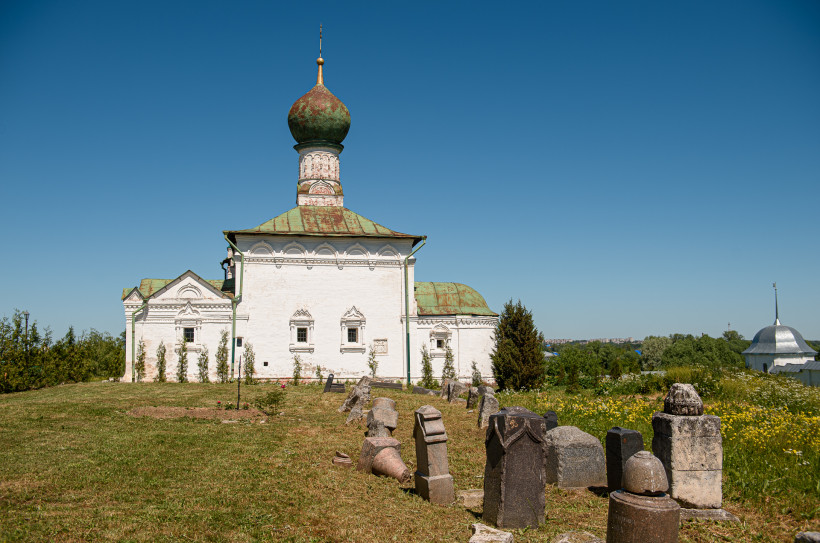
(320, 80)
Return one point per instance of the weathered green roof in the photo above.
(323, 221)
(148, 287)
(450, 299)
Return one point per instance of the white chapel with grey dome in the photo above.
(781, 349)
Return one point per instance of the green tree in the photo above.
(202, 365)
(652, 350)
(703, 351)
(448, 371)
(735, 341)
(139, 365)
(475, 375)
(427, 380)
(160, 363)
(518, 357)
(222, 358)
(250, 364)
(297, 369)
(372, 363)
(182, 364)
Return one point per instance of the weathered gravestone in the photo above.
(386, 384)
(485, 389)
(330, 386)
(455, 391)
(382, 456)
(689, 445)
(427, 391)
(487, 406)
(807, 537)
(621, 444)
(433, 480)
(359, 395)
(642, 512)
(551, 418)
(575, 459)
(515, 473)
(445, 389)
(382, 418)
(472, 397)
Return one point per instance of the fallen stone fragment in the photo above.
(471, 499)
(683, 400)
(359, 395)
(342, 460)
(721, 515)
(577, 537)
(807, 537)
(386, 384)
(356, 415)
(484, 534)
(382, 456)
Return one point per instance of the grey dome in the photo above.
(779, 339)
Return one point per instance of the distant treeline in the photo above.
(34, 360)
(585, 365)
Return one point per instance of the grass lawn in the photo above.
(75, 466)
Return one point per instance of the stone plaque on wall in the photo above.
(380, 346)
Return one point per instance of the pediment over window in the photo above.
(302, 314)
(353, 314)
(188, 311)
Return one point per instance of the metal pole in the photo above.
(238, 382)
(25, 314)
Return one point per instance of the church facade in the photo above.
(318, 281)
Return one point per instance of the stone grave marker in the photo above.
(427, 391)
(551, 418)
(689, 445)
(433, 480)
(386, 384)
(472, 397)
(455, 391)
(515, 473)
(642, 512)
(487, 406)
(575, 459)
(359, 396)
(621, 444)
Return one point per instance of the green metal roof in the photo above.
(450, 299)
(148, 287)
(323, 221)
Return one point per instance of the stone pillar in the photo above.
(515, 473)
(433, 480)
(689, 445)
(486, 407)
(621, 444)
(472, 398)
(642, 512)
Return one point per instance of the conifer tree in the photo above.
(372, 363)
(222, 358)
(427, 380)
(161, 363)
(297, 369)
(475, 375)
(518, 356)
(202, 365)
(139, 366)
(249, 364)
(448, 371)
(182, 364)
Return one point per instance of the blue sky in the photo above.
(624, 168)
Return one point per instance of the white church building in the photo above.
(318, 281)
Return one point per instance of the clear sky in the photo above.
(624, 168)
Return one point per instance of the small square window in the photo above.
(439, 344)
(265, 363)
(301, 335)
(188, 334)
(239, 342)
(352, 335)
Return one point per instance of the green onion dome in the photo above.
(318, 116)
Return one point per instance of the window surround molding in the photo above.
(301, 319)
(440, 332)
(353, 318)
(188, 317)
